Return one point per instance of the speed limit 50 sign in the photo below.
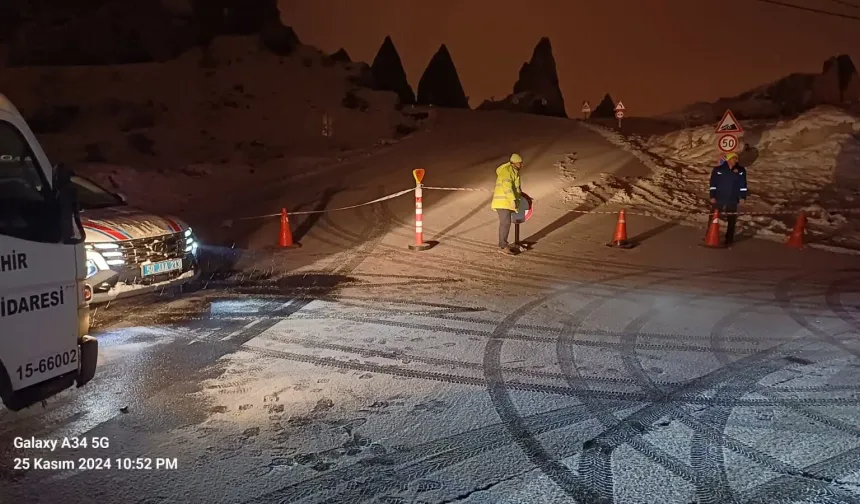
(728, 143)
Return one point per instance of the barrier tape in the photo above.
(457, 189)
(228, 223)
(708, 212)
(795, 212)
(310, 212)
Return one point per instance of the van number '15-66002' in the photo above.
(42, 366)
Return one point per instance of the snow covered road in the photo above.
(352, 370)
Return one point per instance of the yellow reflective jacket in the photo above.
(506, 196)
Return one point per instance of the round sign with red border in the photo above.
(525, 210)
(619, 114)
(728, 143)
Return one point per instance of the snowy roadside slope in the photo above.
(811, 162)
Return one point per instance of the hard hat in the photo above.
(731, 155)
(515, 158)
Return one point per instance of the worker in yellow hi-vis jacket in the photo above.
(506, 198)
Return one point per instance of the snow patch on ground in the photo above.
(566, 168)
(809, 163)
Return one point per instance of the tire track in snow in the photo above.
(710, 474)
(549, 336)
(679, 397)
(705, 447)
(737, 448)
(596, 460)
(406, 358)
(571, 483)
(396, 354)
(715, 436)
(423, 459)
(579, 486)
(675, 347)
(834, 300)
(818, 486)
(376, 314)
(396, 479)
(784, 302)
(707, 468)
(706, 451)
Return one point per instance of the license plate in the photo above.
(161, 267)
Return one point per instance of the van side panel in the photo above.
(38, 310)
(42, 347)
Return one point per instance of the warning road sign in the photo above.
(620, 106)
(586, 107)
(728, 124)
(728, 143)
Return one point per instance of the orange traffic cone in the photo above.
(620, 238)
(796, 238)
(286, 240)
(712, 239)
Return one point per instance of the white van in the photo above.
(44, 316)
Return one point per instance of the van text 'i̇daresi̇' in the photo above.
(25, 304)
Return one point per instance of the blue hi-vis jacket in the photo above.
(729, 185)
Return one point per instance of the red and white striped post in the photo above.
(420, 244)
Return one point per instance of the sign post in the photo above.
(727, 132)
(524, 213)
(619, 112)
(327, 130)
(586, 110)
(418, 175)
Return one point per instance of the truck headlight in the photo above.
(190, 242)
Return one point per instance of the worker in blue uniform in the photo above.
(728, 188)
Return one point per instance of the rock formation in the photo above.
(838, 84)
(104, 32)
(440, 85)
(341, 55)
(536, 91)
(605, 109)
(362, 76)
(539, 76)
(388, 73)
(277, 37)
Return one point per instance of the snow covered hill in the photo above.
(811, 162)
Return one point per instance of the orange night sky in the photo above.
(655, 55)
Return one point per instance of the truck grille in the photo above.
(159, 248)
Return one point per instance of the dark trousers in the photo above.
(505, 221)
(731, 220)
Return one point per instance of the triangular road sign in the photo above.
(620, 106)
(728, 124)
(586, 107)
